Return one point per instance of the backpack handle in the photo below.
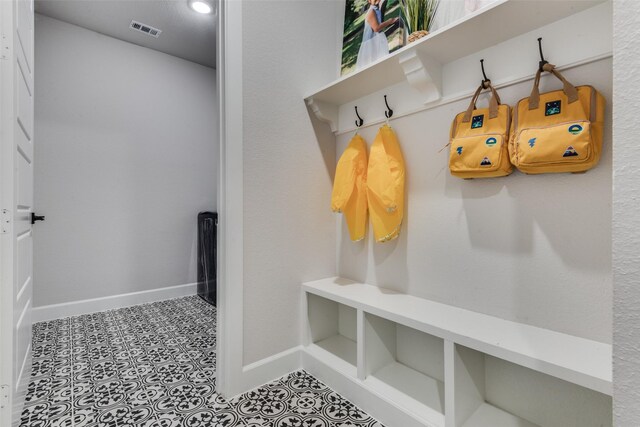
(568, 89)
(494, 102)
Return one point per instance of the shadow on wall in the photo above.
(326, 143)
(389, 270)
(557, 204)
(390, 258)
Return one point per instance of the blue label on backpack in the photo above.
(477, 121)
(552, 108)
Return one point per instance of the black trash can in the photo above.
(207, 256)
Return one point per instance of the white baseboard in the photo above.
(273, 367)
(87, 306)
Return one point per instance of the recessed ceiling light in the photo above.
(200, 6)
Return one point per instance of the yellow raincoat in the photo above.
(385, 184)
(350, 187)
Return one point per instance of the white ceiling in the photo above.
(185, 33)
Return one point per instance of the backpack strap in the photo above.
(569, 89)
(494, 102)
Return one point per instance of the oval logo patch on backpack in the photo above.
(575, 129)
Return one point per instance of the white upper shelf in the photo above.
(574, 359)
(420, 62)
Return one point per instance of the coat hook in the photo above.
(542, 60)
(359, 122)
(389, 111)
(486, 80)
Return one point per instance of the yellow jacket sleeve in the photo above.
(386, 185)
(349, 194)
(379, 179)
(344, 181)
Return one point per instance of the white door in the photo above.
(16, 200)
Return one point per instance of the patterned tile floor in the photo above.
(154, 365)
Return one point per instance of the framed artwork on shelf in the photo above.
(375, 28)
(372, 30)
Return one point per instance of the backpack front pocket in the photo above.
(558, 144)
(480, 153)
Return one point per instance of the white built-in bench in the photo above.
(451, 367)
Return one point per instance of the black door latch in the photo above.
(35, 218)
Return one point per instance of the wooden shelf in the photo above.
(489, 415)
(420, 63)
(576, 360)
(418, 393)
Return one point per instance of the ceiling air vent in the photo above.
(144, 28)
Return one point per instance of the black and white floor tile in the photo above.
(154, 365)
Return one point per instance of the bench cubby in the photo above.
(333, 330)
(488, 391)
(406, 365)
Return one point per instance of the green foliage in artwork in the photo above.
(420, 13)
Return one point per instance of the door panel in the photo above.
(25, 182)
(25, 264)
(23, 249)
(25, 106)
(16, 185)
(24, 145)
(24, 31)
(23, 272)
(23, 346)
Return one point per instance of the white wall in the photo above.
(527, 232)
(126, 157)
(534, 249)
(289, 48)
(626, 215)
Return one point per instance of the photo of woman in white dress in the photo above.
(374, 41)
(372, 30)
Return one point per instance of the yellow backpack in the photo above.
(479, 139)
(559, 131)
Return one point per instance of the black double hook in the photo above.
(389, 111)
(359, 122)
(485, 82)
(542, 60)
